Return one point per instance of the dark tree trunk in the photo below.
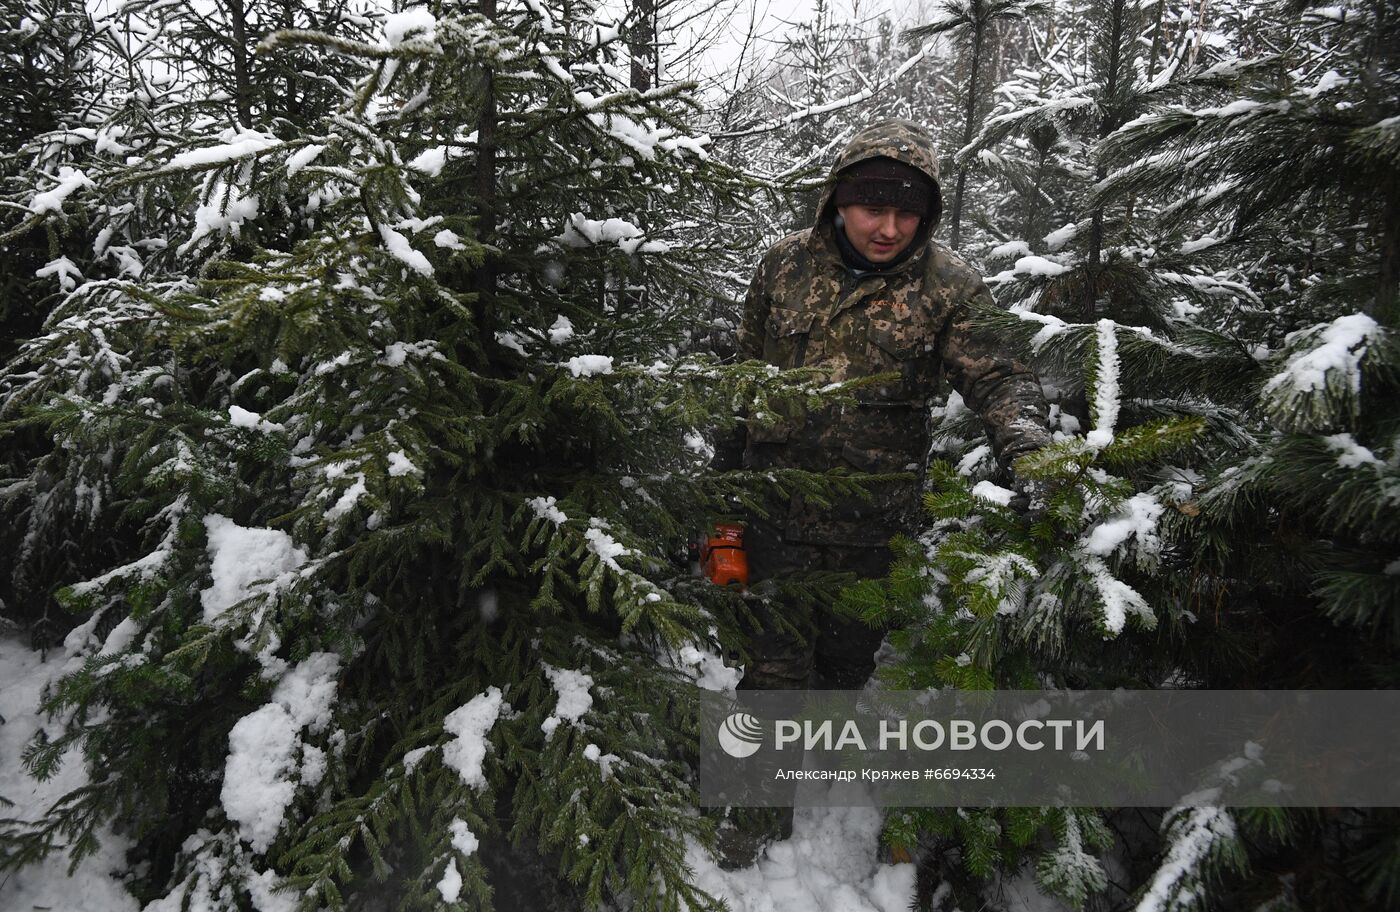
(970, 112)
(1112, 107)
(1387, 304)
(641, 43)
(242, 81)
(1151, 74)
(1382, 55)
(1156, 42)
(485, 279)
(1030, 232)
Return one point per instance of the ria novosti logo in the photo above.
(741, 735)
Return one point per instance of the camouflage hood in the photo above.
(902, 140)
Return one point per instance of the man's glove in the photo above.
(729, 450)
(1032, 498)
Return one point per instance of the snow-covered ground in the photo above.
(828, 865)
(92, 888)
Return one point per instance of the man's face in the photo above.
(879, 233)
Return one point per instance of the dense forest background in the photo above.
(363, 368)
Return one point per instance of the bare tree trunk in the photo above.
(1386, 308)
(641, 44)
(1387, 304)
(242, 83)
(1029, 232)
(1200, 29)
(1151, 73)
(486, 196)
(970, 112)
(1112, 116)
(1156, 42)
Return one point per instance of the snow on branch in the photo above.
(235, 146)
(1104, 405)
(839, 104)
(1319, 383)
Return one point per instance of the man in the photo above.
(866, 290)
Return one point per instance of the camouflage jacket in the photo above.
(806, 308)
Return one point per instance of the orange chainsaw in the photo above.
(722, 556)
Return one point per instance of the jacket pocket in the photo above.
(907, 349)
(788, 335)
(897, 341)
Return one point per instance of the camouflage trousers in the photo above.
(835, 653)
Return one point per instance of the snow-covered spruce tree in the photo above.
(971, 24)
(53, 83)
(47, 67)
(170, 77)
(208, 60)
(1294, 538)
(1043, 142)
(1069, 597)
(1025, 147)
(1322, 220)
(77, 212)
(1272, 529)
(410, 488)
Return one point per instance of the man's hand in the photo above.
(729, 450)
(1032, 498)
